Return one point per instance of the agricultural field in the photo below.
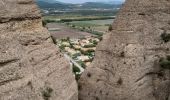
(98, 25)
(83, 12)
(95, 22)
(60, 31)
(70, 18)
(95, 25)
(90, 22)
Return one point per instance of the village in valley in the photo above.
(77, 32)
(82, 50)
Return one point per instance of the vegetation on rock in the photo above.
(165, 62)
(47, 93)
(165, 37)
(110, 28)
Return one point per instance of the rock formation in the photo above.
(31, 66)
(127, 62)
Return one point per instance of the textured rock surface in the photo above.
(126, 66)
(31, 66)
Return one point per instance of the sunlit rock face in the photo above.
(31, 66)
(127, 62)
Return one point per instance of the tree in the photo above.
(44, 23)
(73, 26)
(110, 28)
(75, 69)
(165, 37)
(165, 63)
(95, 42)
(84, 28)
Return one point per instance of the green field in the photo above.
(98, 25)
(70, 18)
(62, 16)
(95, 22)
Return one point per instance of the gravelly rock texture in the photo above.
(31, 66)
(127, 62)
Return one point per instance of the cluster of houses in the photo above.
(80, 50)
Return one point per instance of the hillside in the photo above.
(48, 1)
(88, 5)
(100, 5)
(57, 5)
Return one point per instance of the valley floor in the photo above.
(78, 40)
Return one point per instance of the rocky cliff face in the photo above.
(31, 66)
(127, 62)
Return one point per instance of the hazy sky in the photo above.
(82, 1)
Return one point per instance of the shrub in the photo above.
(89, 46)
(165, 37)
(107, 24)
(62, 47)
(90, 54)
(64, 40)
(110, 28)
(97, 33)
(120, 81)
(100, 38)
(51, 20)
(122, 54)
(73, 26)
(84, 28)
(165, 63)
(77, 77)
(44, 23)
(88, 74)
(75, 55)
(82, 64)
(161, 59)
(75, 69)
(95, 42)
(47, 93)
(87, 52)
(168, 57)
(67, 23)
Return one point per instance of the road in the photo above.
(75, 63)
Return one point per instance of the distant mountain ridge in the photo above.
(115, 2)
(43, 4)
(99, 5)
(49, 1)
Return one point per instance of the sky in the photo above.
(82, 1)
